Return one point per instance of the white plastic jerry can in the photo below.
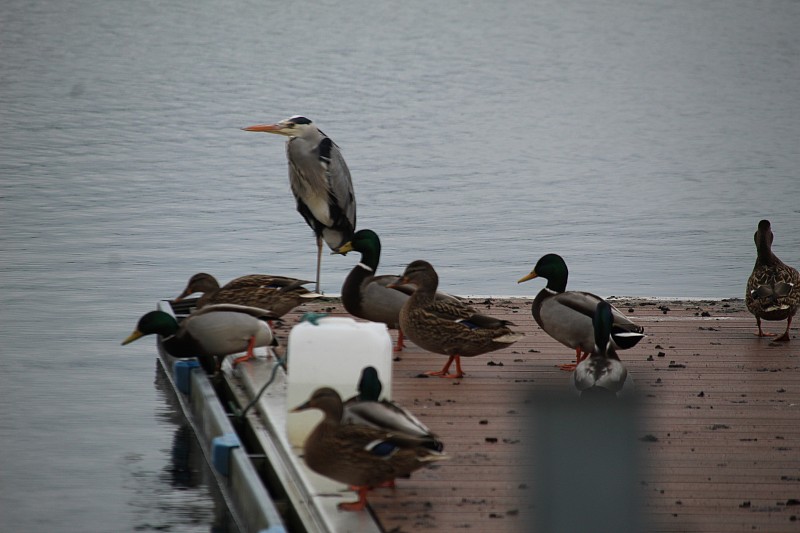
(332, 353)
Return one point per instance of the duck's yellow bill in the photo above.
(132, 337)
(343, 249)
(529, 276)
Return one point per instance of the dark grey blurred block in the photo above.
(585, 464)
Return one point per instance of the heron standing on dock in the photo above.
(320, 182)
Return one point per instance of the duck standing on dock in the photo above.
(602, 374)
(368, 409)
(452, 328)
(773, 289)
(276, 294)
(209, 333)
(320, 181)
(361, 456)
(567, 316)
(368, 296)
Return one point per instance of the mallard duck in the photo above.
(452, 328)
(773, 289)
(567, 315)
(366, 408)
(602, 373)
(277, 294)
(368, 296)
(361, 456)
(209, 333)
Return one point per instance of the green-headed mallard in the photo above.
(209, 333)
(367, 408)
(602, 373)
(448, 327)
(276, 294)
(368, 296)
(773, 289)
(360, 456)
(567, 315)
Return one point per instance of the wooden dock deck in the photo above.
(719, 428)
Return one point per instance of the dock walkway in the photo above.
(719, 428)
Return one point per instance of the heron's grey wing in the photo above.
(308, 179)
(340, 184)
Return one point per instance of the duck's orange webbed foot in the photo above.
(400, 344)
(579, 356)
(251, 346)
(443, 373)
(357, 505)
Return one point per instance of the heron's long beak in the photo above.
(529, 276)
(268, 128)
(132, 337)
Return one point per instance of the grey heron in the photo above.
(320, 181)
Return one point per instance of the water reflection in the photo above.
(182, 473)
(186, 493)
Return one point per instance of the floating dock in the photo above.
(718, 431)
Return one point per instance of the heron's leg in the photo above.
(319, 260)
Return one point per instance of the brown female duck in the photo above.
(773, 289)
(449, 327)
(277, 294)
(361, 456)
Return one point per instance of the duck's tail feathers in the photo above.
(509, 338)
(311, 295)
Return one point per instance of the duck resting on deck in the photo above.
(276, 294)
(367, 408)
(602, 374)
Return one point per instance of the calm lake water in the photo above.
(641, 140)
